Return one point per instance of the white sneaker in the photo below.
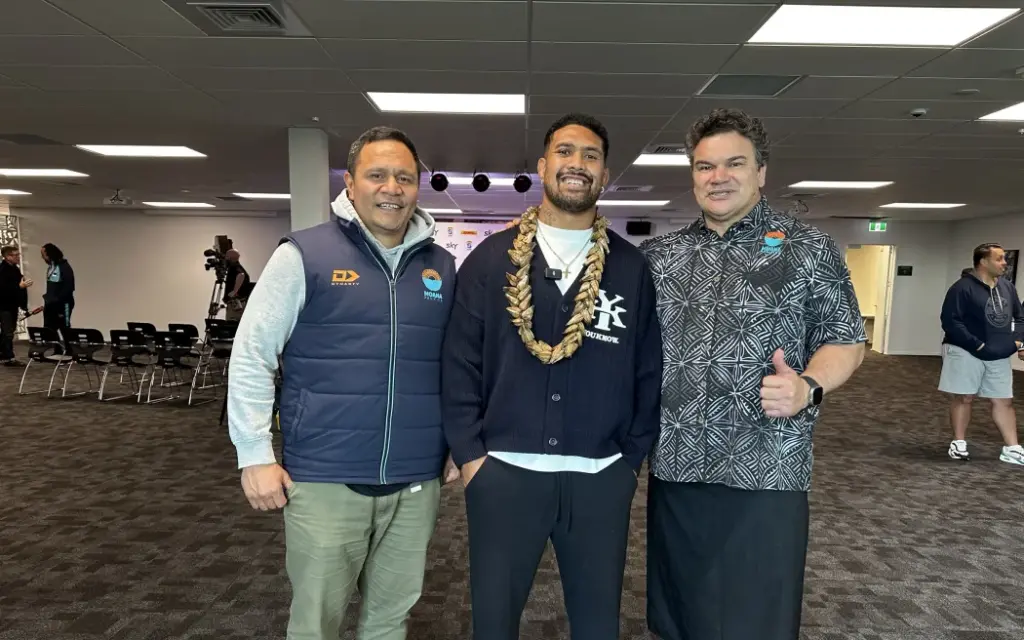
(958, 450)
(1013, 455)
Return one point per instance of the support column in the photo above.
(309, 177)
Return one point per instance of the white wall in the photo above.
(132, 266)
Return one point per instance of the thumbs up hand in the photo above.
(785, 393)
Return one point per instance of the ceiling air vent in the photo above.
(233, 199)
(668, 148)
(235, 18)
(748, 86)
(28, 139)
(801, 196)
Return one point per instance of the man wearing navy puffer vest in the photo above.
(355, 311)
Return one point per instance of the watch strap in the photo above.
(815, 393)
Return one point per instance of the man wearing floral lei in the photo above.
(551, 377)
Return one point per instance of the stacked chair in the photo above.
(139, 360)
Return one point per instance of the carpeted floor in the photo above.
(127, 522)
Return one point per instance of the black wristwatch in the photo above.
(817, 394)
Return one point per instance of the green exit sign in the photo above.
(876, 226)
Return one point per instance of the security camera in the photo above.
(919, 113)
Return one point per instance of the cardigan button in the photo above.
(565, 308)
(553, 441)
(556, 397)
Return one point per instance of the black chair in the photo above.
(173, 351)
(82, 345)
(45, 347)
(129, 352)
(148, 330)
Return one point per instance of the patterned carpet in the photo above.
(126, 522)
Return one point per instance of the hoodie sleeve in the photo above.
(66, 286)
(954, 319)
(265, 328)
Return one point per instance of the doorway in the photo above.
(872, 268)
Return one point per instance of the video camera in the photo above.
(216, 258)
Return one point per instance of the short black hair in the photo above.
(8, 250)
(380, 134)
(983, 251)
(583, 120)
(724, 121)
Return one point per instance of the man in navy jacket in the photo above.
(551, 377)
(354, 310)
(983, 325)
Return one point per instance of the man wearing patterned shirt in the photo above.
(760, 323)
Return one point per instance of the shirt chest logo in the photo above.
(607, 314)
(772, 243)
(432, 282)
(344, 277)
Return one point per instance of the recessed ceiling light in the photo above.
(1009, 114)
(42, 173)
(13, 192)
(838, 184)
(632, 203)
(922, 205)
(180, 205)
(265, 196)
(468, 103)
(443, 211)
(463, 181)
(876, 26)
(662, 160)
(140, 151)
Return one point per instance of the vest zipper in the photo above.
(393, 347)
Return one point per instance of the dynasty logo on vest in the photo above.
(344, 277)
(607, 314)
(432, 281)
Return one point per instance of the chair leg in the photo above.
(24, 373)
(53, 376)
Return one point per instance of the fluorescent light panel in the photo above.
(140, 151)
(922, 205)
(465, 103)
(876, 26)
(13, 192)
(632, 203)
(662, 160)
(265, 196)
(42, 173)
(180, 205)
(1009, 114)
(838, 184)
(443, 211)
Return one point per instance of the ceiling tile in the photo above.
(905, 124)
(835, 87)
(94, 78)
(239, 79)
(36, 18)
(646, 22)
(64, 50)
(937, 109)
(395, 22)
(973, 63)
(615, 84)
(434, 56)
(231, 52)
(629, 58)
(6, 81)
(841, 140)
(946, 88)
(761, 108)
(291, 109)
(959, 141)
(416, 81)
(827, 61)
(1009, 35)
(606, 106)
(131, 18)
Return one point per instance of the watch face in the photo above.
(817, 394)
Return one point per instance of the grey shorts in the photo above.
(965, 375)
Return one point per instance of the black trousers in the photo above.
(57, 316)
(724, 564)
(8, 325)
(513, 512)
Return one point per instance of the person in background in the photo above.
(237, 287)
(59, 299)
(551, 382)
(983, 326)
(13, 296)
(760, 324)
(355, 310)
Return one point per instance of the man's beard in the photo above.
(573, 203)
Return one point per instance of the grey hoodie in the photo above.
(268, 322)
